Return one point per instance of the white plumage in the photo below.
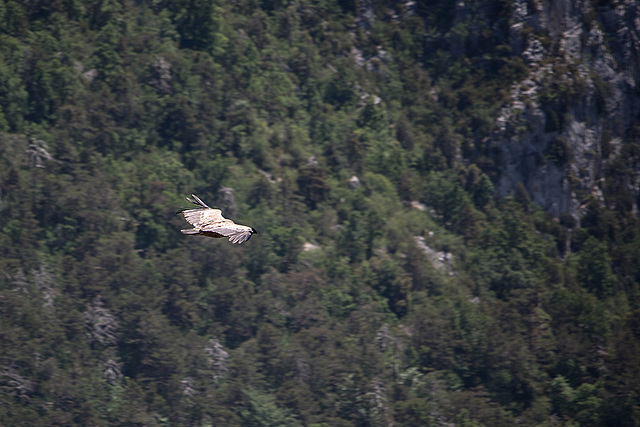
(209, 222)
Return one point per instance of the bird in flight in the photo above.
(207, 221)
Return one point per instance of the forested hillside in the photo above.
(445, 194)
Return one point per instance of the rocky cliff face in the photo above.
(571, 116)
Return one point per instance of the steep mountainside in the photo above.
(445, 195)
(573, 116)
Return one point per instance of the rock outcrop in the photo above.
(571, 115)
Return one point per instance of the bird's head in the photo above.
(254, 231)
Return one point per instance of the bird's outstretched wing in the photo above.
(207, 221)
(235, 232)
(202, 216)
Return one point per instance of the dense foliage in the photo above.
(387, 286)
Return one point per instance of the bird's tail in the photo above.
(190, 231)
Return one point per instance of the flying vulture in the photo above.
(207, 221)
